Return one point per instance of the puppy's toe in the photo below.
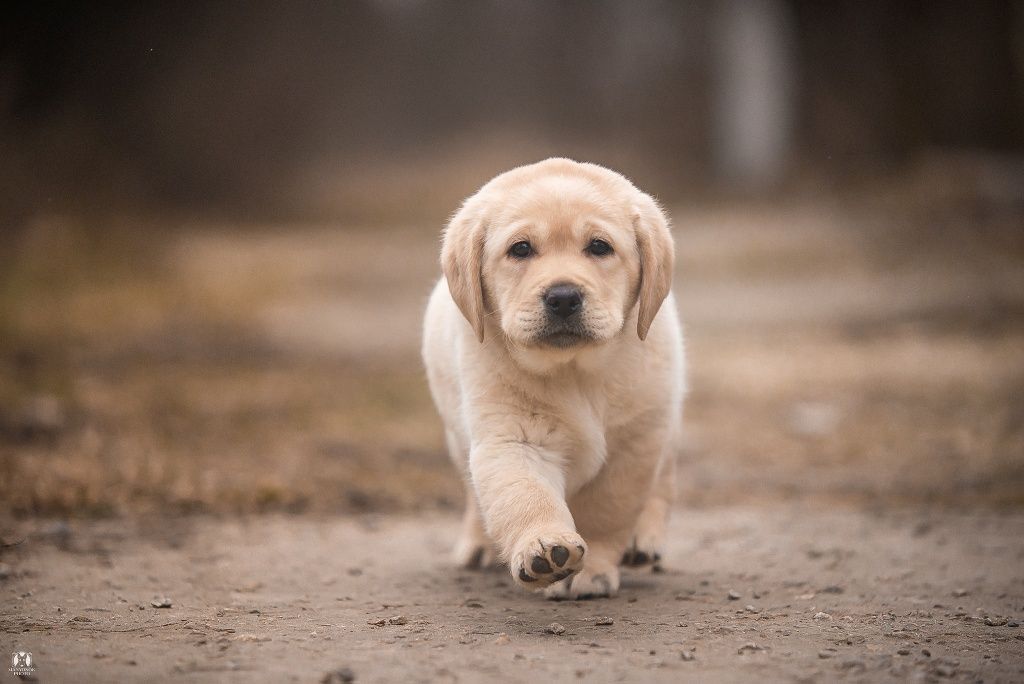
(546, 559)
(586, 585)
(474, 556)
(640, 554)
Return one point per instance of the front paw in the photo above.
(596, 580)
(542, 559)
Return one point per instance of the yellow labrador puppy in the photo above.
(554, 355)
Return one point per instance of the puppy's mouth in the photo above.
(563, 340)
(563, 336)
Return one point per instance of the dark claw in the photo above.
(525, 577)
(560, 555)
(540, 565)
(641, 558)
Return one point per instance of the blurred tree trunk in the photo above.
(754, 86)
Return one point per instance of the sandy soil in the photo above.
(819, 596)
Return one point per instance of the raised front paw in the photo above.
(547, 558)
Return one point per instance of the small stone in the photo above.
(502, 639)
(343, 675)
(162, 602)
(996, 622)
(255, 638)
(822, 616)
(733, 595)
(749, 647)
(751, 609)
(960, 592)
(473, 604)
(398, 620)
(380, 622)
(688, 656)
(555, 628)
(944, 670)
(903, 651)
(832, 589)
(827, 653)
(604, 621)
(1012, 623)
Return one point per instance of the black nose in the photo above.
(563, 300)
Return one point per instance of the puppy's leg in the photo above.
(473, 549)
(521, 490)
(607, 509)
(648, 541)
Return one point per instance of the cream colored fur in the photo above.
(570, 447)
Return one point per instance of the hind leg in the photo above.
(473, 548)
(648, 541)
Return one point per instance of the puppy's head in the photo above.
(557, 254)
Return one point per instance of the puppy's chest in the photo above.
(584, 422)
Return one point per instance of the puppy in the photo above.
(554, 355)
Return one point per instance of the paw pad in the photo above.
(547, 560)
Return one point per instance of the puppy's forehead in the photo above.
(559, 200)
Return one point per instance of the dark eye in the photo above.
(520, 250)
(599, 247)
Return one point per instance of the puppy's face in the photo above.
(558, 255)
(560, 264)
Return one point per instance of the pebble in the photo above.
(343, 675)
(822, 616)
(256, 638)
(604, 621)
(502, 639)
(688, 656)
(853, 664)
(751, 609)
(996, 622)
(398, 620)
(162, 602)
(733, 595)
(903, 651)
(555, 628)
(827, 653)
(749, 647)
(960, 592)
(1013, 623)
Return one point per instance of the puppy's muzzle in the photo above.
(563, 301)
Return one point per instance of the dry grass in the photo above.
(869, 353)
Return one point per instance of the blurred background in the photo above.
(219, 224)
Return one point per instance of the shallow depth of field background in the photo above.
(219, 225)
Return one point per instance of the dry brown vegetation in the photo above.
(861, 348)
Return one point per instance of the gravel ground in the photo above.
(778, 593)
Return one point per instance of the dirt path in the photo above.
(821, 595)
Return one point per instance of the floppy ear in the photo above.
(657, 258)
(461, 258)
